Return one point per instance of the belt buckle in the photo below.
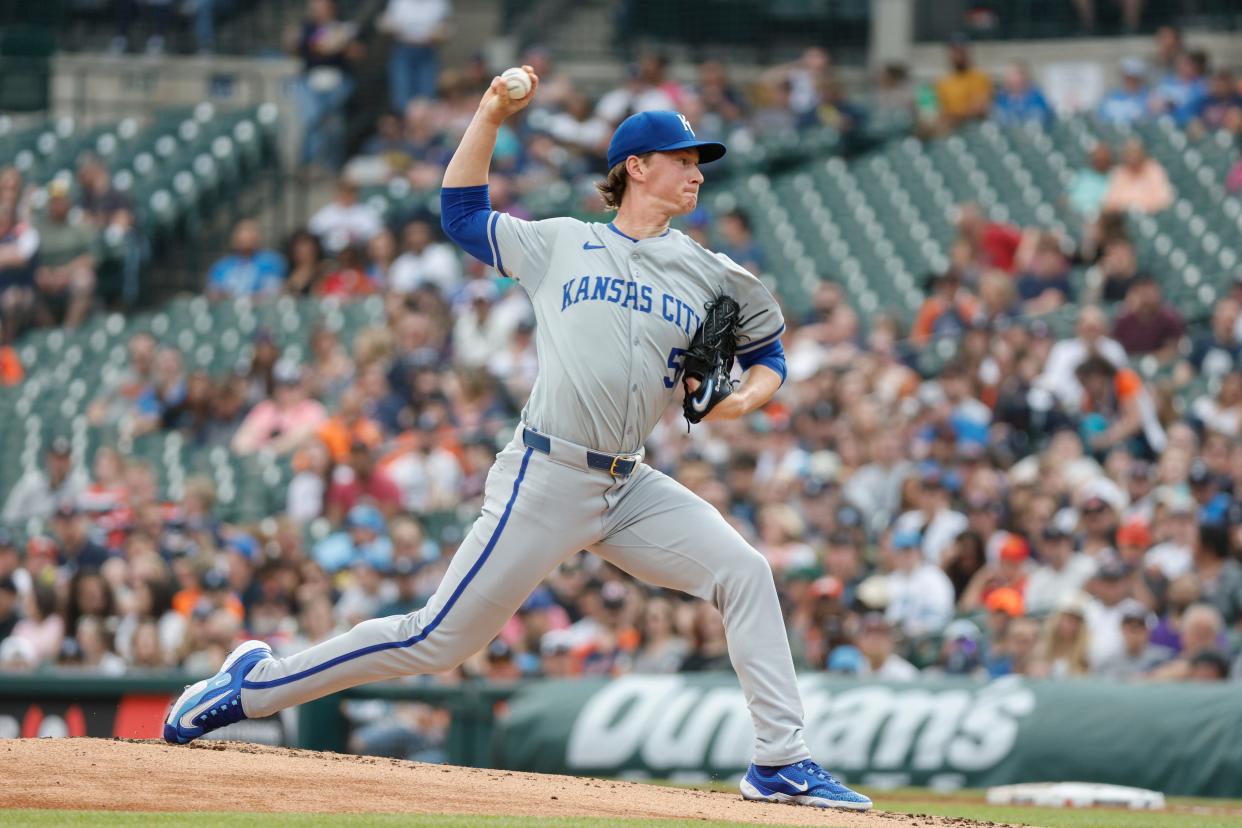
(612, 469)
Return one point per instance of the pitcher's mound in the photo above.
(123, 775)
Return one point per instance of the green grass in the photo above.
(1189, 813)
(1064, 817)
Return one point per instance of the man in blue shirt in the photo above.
(1131, 103)
(1018, 102)
(248, 271)
(1182, 94)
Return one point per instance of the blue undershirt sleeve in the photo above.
(464, 212)
(772, 355)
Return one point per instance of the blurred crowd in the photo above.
(1035, 506)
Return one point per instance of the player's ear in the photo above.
(635, 167)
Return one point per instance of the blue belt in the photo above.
(616, 466)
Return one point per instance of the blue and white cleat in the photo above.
(215, 702)
(802, 783)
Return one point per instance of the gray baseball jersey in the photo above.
(614, 316)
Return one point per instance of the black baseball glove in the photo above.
(710, 358)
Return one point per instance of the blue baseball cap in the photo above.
(659, 130)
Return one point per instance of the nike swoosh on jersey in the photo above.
(589, 246)
(187, 720)
(795, 785)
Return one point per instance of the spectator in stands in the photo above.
(418, 27)
(1114, 582)
(68, 250)
(250, 270)
(1221, 107)
(350, 278)
(661, 649)
(1087, 189)
(344, 221)
(920, 594)
(1139, 183)
(358, 479)
(1138, 656)
(1063, 647)
(9, 606)
(428, 474)
(350, 426)
(479, 331)
(1061, 571)
(718, 96)
(1019, 102)
(284, 422)
(990, 244)
(806, 77)
(965, 93)
(19, 247)
(773, 114)
(167, 394)
(738, 242)
(381, 254)
(1148, 324)
(1060, 374)
(1222, 412)
(1011, 570)
(1208, 665)
(875, 642)
(1181, 95)
(1043, 284)
(1116, 410)
(104, 204)
(892, 97)
(327, 46)
(634, 95)
(1202, 630)
(38, 491)
(1220, 575)
(306, 263)
(42, 628)
(424, 261)
(1130, 103)
(364, 538)
(1169, 47)
(1117, 270)
(72, 532)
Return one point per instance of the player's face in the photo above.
(674, 179)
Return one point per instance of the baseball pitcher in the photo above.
(626, 312)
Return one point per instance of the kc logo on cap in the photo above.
(658, 131)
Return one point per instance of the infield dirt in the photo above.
(125, 775)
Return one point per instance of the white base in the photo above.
(1076, 795)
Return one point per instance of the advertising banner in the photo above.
(1175, 738)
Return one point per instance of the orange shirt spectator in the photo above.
(348, 426)
(947, 311)
(965, 93)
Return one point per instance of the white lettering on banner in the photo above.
(846, 733)
(684, 727)
(988, 731)
(671, 725)
(613, 723)
(931, 717)
(735, 742)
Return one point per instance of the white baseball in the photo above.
(517, 82)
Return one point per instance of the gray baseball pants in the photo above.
(541, 507)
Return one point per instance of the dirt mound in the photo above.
(124, 775)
